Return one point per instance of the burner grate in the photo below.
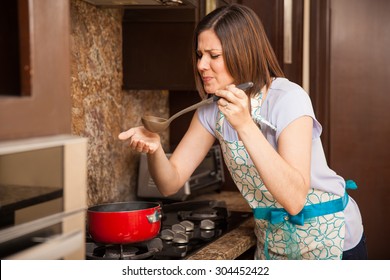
(135, 251)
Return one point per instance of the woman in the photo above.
(270, 141)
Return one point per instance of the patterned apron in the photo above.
(317, 232)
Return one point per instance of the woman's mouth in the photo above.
(206, 79)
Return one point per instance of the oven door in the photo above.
(48, 238)
(208, 177)
(43, 197)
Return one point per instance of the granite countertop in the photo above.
(234, 243)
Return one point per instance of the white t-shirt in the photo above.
(284, 103)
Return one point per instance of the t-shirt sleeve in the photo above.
(207, 116)
(290, 106)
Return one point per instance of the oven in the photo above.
(209, 176)
(43, 198)
(186, 227)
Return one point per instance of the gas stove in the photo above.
(186, 227)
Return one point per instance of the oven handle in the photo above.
(29, 227)
(200, 175)
(54, 249)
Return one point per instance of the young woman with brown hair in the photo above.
(270, 140)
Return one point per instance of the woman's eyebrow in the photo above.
(209, 50)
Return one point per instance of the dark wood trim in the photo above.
(278, 45)
(24, 48)
(320, 66)
(293, 71)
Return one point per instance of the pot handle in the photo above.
(155, 217)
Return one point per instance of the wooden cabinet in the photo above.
(157, 48)
(10, 53)
(37, 102)
(349, 85)
(273, 16)
(157, 45)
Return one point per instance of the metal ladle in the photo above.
(157, 124)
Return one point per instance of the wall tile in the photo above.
(100, 108)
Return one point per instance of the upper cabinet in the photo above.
(157, 48)
(157, 41)
(35, 68)
(157, 44)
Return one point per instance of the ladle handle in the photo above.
(243, 86)
(210, 100)
(193, 107)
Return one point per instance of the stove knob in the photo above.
(180, 238)
(207, 233)
(178, 228)
(167, 234)
(189, 226)
(207, 224)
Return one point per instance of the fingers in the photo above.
(223, 103)
(139, 145)
(230, 94)
(126, 134)
(139, 141)
(231, 97)
(236, 92)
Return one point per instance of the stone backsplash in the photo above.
(100, 108)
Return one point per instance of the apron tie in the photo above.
(281, 219)
(286, 222)
(277, 217)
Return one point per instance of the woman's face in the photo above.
(211, 64)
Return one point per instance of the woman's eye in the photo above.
(214, 56)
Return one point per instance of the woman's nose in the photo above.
(203, 63)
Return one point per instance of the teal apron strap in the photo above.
(280, 217)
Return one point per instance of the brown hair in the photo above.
(245, 47)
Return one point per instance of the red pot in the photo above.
(124, 222)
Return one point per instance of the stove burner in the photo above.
(198, 210)
(201, 214)
(120, 252)
(134, 251)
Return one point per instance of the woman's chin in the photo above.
(208, 89)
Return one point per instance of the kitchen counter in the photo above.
(234, 243)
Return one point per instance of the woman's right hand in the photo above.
(141, 139)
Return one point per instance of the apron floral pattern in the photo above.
(320, 237)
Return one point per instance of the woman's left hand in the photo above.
(234, 104)
(141, 139)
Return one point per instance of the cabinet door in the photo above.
(157, 48)
(45, 110)
(283, 23)
(349, 87)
